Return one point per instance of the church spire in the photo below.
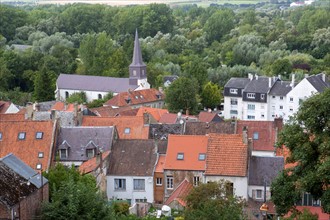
(137, 55)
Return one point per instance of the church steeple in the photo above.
(137, 69)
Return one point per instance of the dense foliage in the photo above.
(307, 138)
(213, 200)
(208, 44)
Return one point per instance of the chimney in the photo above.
(292, 80)
(75, 109)
(279, 76)
(269, 82)
(256, 75)
(306, 75)
(323, 77)
(250, 76)
(245, 135)
(187, 112)
(99, 159)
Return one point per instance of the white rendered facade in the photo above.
(122, 187)
(233, 107)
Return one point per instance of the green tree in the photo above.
(78, 97)
(219, 24)
(211, 95)
(213, 200)
(11, 18)
(182, 95)
(281, 67)
(307, 138)
(43, 86)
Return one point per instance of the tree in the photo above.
(43, 86)
(182, 95)
(211, 95)
(78, 97)
(219, 24)
(73, 196)
(213, 200)
(307, 138)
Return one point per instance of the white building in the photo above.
(96, 87)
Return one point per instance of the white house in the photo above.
(304, 89)
(227, 158)
(130, 173)
(96, 87)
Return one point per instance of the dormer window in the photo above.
(128, 100)
(180, 156)
(90, 153)
(39, 135)
(262, 96)
(201, 156)
(136, 97)
(21, 136)
(127, 130)
(251, 95)
(63, 153)
(233, 91)
(159, 96)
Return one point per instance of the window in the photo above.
(233, 101)
(134, 72)
(273, 97)
(66, 94)
(63, 153)
(251, 107)
(39, 135)
(281, 107)
(120, 184)
(291, 99)
(0, 136)
(99, 96)
(90, 153)
(141, 200)
(229, 188)
(251, 95)
(201, 156)
(233, 112)
(233, 91)
(255, 135)
(262, 96)
(196, 180)
(127, 130)
(251, 117)
(159, 181)
(281, 97)
(39, 166)
(258, 194)
(41, 154)
(291, 109)
(139, 184)
(169, 182)
(21, 136)
(262, 115)
(180, 156)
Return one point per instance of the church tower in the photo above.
(137, 69)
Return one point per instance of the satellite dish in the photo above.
(181, 121)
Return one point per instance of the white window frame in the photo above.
(139, 184)
(196, 180)
(120, 184)
(259, 191)
(251, 107)
(61, 153)
(233, 101)
(262, 96)
(169, 182)
(251, 95)
(90, 153)
(233, 91)
(251, 117)
(159, 181)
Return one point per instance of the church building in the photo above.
(96, 87)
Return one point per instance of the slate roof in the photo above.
(137, 54)
(264, 168)
(78, 139)
(203, 128)
(259, 84)
(318, 83)
(180, 193)
(280, 88)
(267, 132)
(93, 83)
(14, 176)
(136, 98)
(132, 158)
(227, 155)
(161, 131)
(191, 146)
(170, 78)
(237, 83)
(28, 149)
(136, 125)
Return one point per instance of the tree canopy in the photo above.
(307, 138)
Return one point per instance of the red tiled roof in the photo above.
(267, 133)
(155, 112)
(91, 164)
(61, 106)
(191, 146)
(136, 97)
(135, 125)
(226, 155)
(160, 164)
(27, 149)
(12, 117)
(4, 106)
(180, 193)
(108, 111)
(168, 118)
(315, 210)
(206, 116)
